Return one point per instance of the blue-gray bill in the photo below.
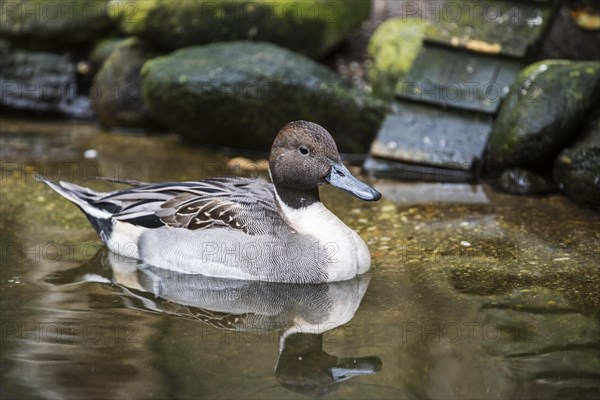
(347, 368)
(340, 177)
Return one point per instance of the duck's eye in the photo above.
(303, 150)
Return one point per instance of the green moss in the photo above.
(310, 27)
(393, 49)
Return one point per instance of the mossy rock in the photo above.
(577, 168)
(48, 23)
(393, 49)
(313, 28)
(240, 94)
(102, 50)
(117, 89)
(542, 113)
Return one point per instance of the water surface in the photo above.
(472, 294)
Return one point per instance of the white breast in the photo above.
(346, 253)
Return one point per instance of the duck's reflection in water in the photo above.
(134, 356)
(301, 313)
(304, 367)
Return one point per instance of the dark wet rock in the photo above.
(577, 168)
(41, 82)
(309, 27)
(393, 48)
(49, 24)
(240, 94)
(566, 40)
(117, 89)
(522, 181)
(542, 113)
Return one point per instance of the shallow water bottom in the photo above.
(472, 294)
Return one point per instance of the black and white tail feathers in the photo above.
(84, 198)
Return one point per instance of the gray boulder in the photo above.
(240, 94)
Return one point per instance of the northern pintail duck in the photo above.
(235, 227)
